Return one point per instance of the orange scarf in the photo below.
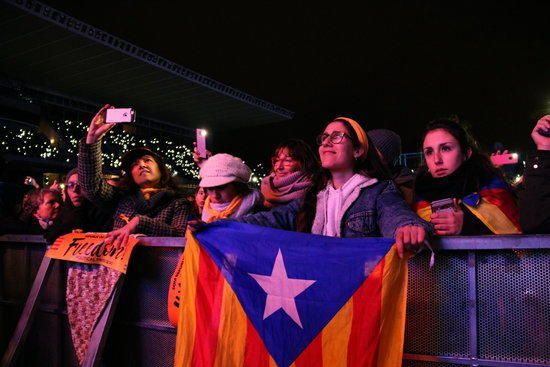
(147, 192)
(213, 214)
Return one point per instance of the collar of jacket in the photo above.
(319, 221)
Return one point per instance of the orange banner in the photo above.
(89, 248)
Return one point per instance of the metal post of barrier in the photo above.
(27, 316)
(101, 330)
(472, 305)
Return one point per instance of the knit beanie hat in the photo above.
(223, 168)
(388, 144)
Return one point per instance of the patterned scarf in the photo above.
(278, 191)
(210, 214)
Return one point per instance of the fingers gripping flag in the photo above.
(255, 296)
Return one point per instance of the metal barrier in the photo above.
(486, 302)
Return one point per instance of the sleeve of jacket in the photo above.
(534, 203)
(282, 217)
(172, 222)
(90, 179)
(393, 212)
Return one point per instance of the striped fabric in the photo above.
(494, 206)
(218, 323)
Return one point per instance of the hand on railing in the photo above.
(119, 237)
(410, 237)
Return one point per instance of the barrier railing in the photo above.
(486, 302)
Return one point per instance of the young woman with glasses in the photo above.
(78, 212)
(351, 195)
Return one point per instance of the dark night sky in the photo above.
(388, 65)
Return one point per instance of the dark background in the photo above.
(392, 65)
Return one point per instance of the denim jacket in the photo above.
(377, 212)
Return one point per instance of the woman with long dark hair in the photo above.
(351, 195)
(479, 199)
(147, 200)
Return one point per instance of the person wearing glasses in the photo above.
(78, 213)
(351, 196)
(292, 167)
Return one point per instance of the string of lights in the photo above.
(28, 142)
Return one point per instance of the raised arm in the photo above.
(90, 163)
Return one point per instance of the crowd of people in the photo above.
(353, 187)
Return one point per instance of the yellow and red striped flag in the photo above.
(255, 296)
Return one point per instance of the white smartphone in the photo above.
(201, 143)
(120, 115)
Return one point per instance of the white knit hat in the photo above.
(223, 168)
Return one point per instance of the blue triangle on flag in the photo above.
(246, 254)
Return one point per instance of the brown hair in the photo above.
(478, 160)
(32, 201)
(166, 180)
(302, 152)
(371, 165)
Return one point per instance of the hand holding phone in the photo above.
(201, 143)
(98, 128)
(447, 217)
(443, 205)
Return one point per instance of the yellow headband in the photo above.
(361, 134)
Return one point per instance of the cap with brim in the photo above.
(221, 169)
(130, 157)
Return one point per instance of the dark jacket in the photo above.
(87, 217)
(378, 211)
(534, 203)
(13, 225)
(165, 214)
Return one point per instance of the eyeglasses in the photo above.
(287, 161)
(335, 137)
(73, 185)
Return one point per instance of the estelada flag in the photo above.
(494, 205)
(256, 296)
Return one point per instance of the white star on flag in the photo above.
(281, 290)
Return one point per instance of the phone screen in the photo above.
(443, 205)
(201, 143)
(503, 159)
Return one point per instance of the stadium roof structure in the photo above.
(55, 54)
